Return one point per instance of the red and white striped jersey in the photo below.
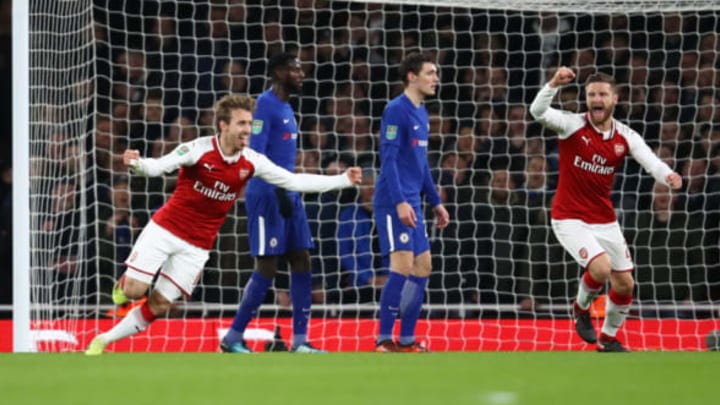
(209, 183)
(589, 159)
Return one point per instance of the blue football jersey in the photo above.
(274, 134)
(404, 169)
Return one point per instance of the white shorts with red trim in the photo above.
(180, 263)
(586, 241)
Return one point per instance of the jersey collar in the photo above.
(229, 159)
(606, 135)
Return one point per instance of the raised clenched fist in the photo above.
(564, 75)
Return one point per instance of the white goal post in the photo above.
(94, 77)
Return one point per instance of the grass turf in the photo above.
(362, 378)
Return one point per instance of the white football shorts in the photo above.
(585, 242)
(180, 263)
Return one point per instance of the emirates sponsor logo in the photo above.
(593, 167)
(219, 193)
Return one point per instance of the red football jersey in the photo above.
(204, 194)
(589, 160)
(587, 170)
(209, 183)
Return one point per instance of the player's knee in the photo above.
(623, 283)
(267, 272)
(299, 261)
(402, 262)
(422, 271)
(134, 289)
(266, 266)
(405, 270)
(422, 265)
(600, 269)
(158, 303)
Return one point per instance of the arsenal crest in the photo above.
(244, 173)
(619, 149)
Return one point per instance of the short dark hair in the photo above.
(600, 77)
(413, 63)
(279, 61)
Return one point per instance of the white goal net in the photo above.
(108, 75)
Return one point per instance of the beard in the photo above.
(294, 88)
(600, 115)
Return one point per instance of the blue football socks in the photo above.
(253, 296)
(413, 295)
(301, 296)
(390, 304)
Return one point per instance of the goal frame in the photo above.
(22, 307)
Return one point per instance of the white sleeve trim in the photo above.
(563, 122)
(304, 183)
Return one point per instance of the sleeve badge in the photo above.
(391, 132)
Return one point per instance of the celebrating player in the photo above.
(404, 176)
(178, 239)
(277, 224)
(592, 147)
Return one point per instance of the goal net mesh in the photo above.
(111, 75)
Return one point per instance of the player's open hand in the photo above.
(674, 180)
(406, 213)
(130, 157)
(354, 174)
(442, 218)
(564, 75)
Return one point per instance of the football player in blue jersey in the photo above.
(277, 224)
(404, 179)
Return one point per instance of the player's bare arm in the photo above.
(130, 157)
(674, 180)
(563, 76)
(442, 218)
(406, 213)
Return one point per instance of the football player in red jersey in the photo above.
(177, 240)
(593, 146)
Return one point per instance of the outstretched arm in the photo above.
(151, 167)
(656, 167)
(564, 123)
(301, 182)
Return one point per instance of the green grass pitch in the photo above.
(505, 378)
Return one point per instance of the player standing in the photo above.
(592, 148)
(178, 239)
(404, 177)
(277, 224)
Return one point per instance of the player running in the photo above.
(177, 241)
